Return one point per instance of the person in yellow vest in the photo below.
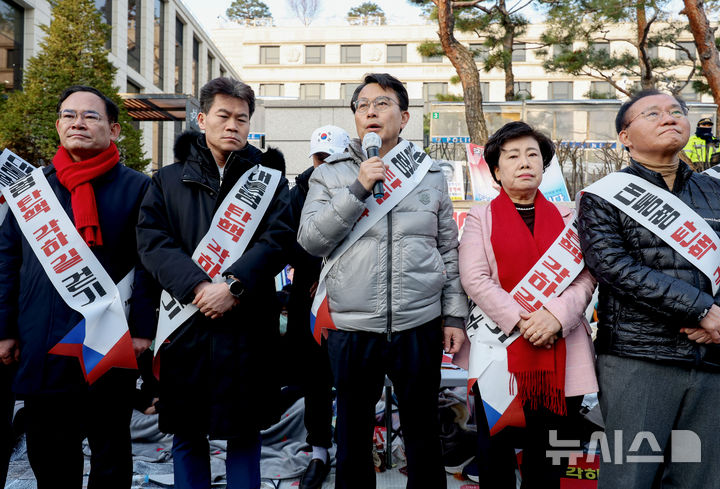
(702, 145)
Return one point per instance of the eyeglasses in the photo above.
(654, 114)
(380, 104)
(69, 116)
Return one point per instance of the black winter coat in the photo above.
(216, 375)
(648, 292)
(32, 310)
(307, 267)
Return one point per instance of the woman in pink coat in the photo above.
(553, 360)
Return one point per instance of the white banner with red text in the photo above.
(231, 230)
(407, 165)
(101, 340)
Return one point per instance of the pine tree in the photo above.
(72, 53)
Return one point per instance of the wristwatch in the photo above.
(236, 287)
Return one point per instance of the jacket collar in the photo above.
(200, 167)
(682, 176)
(356, 154)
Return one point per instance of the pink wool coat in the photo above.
(479, 276)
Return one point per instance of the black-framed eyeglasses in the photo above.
(380, 104)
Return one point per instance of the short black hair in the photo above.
(227, 86)
(515, 130)
(111, 108)
(620, 117)
(387, 82)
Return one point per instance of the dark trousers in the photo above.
(317, 388)
(191, 462)
(7, 405)
(671, 413)
(58, 423)
(411, 359)
(496, 454)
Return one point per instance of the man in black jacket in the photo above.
(659, 321)
(216, 378)
(61, 409)
(315, 377)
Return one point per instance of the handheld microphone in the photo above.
(371, 144)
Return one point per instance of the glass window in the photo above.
(598, 47)
(105, 8)
(132, 87)
(601, 125)
(210, 66)
(560, 91)
(519, 52)
(652, 52)
(312, 91)
(681, 55)
(272, 89)
(350, 53)
(689, 94)
(269, 55)
(157, 139)
(522, 90)
(11, 37)
(133, 34)
(480, 51)
(179, 32)
(485, 90)
(601, 90)
(158, 41)
(433, 59)
(314, 55)
(432, 90)
(559, 49)
(397, 53)
(347, 90)
(196, 67)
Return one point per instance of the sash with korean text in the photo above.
(101, 340)
(407, 165)
(550, 276)
(13, 169)
(666, 216)
(231, 230)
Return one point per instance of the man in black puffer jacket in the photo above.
(659, 322)
(216, 378)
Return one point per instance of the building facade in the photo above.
(327, 62)
(157, 46)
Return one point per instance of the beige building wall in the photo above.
(242, 45)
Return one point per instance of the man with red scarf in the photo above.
(102, 197)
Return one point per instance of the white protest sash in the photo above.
(102, 339)
(713, 171)
(407, 165)
(667, 217)
(13, 168)
(488, 363)
(231, 230)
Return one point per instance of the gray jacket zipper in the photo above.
(389, 276)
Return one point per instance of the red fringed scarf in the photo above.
(540, 372)
(76, 176)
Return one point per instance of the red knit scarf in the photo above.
(76, 176)
(540, 372)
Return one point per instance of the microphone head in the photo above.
(371, 140)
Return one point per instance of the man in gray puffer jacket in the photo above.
(394, 295)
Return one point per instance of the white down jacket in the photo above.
(404, 271)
